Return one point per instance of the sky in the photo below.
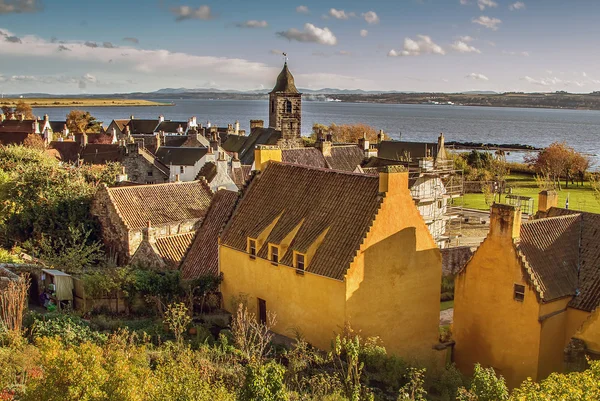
(114, 46)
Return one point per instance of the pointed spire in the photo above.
(285, 81)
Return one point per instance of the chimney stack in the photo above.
(84, 139)
(115, 139)
(161, 118)
(363, 143)
(547, 199)
(505, 221)
(148, 233)
(380, 136)
(393, 180)
(235, 162)
(237, 127)
(158, 140)
(264, 154)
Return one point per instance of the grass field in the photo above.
(580, 198)
(66, 102)
(446, 305)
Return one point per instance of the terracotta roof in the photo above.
(345, 157)
(240, 175)
(14, 126)
(99, 153)
(309, 156)
(549, 250)
(203, 256)
(180, 156)
(285, 81)
(161, 203)
(12, 138)
(589, 270)
(395, 150)
(338, 204)
(172, 248)
(455, 259)
(68, 151)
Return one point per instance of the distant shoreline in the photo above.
(82, 102)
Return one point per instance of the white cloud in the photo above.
(522, 54)
(584, 74)
(371, 17)
(422, 45)
(464, 2)
(310, 33)
(466, 39)
(463, 47)
(477, 77)
(364, 33)
(253, 24)
(344, 53)
(19, 6)
(552, 82)
(302, 10)
(338, 14)
(491, 23)
(276, 52)
(186, 12)
(519, 5)
(482, 4)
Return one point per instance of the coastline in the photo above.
(72, 102)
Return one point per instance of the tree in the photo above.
(485, 386)
(347, 133)
(21, 108)
(34, 141)
(79, 121)
(559, 161)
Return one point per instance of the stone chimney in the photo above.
(48, 137)
(393, 180)
(215, 141)
(194, 123)
(380, 136)
(127, 131)
(441, 153)
(159, 140)
(222, 163)
(363, 143)
(547, 199)
(177, 178)
(254, 124)
(115, 139)
(324, 144)
(210, 155)
(263, 154)
(148, 233)
(161, 119)
(235, 162)
(180, 129)
(36, 126)
(131, 117)
(84, 139)
(208, 124)
(237, 127)
(505, 221)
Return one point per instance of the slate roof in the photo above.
(454, 259)
(160, 203)
(203, 256)
(338, 204)
(260, 136)
(174, 141)
(396, 150)
(142, 126)
(234, 143)
(285, 81)
(172, 248)
(180, 156)
(97, 153)
(345, 157)
(68, 151)
(171, 126)
(14, 126)
(57, 126)
(309, 156)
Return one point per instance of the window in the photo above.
(300, 267)
(440, 204)
(181, 169)
(149, 173)
(288, 106)
(252, 248)
(519, 292)
(274, 254)
(272, 106)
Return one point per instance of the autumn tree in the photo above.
(347, 133)
(34, 141)
(79, 121)
(21, 108)
(559, 161)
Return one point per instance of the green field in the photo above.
(76, 102)
(580, 197)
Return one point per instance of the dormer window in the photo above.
(300, 263)
(252, 247)
(274, 253)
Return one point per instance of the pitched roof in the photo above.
(338, 204)
(160, 203)
(208, 171)
(259, 136)
(12, 138)
(68, 151)
(180, 156)
(203, 256)
(234, 143)
(398, 150)
(345, 157)
(57, 126)
(100, 153)
(142, 126)
(285, 81)
(549, 250)
(240, 175)
(309, 156)
(13, 126)
(454, 259)
(172, 248)
(589, 270)
(170, 126)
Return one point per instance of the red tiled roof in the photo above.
(202, 257)
(240, 175)
(172, 248)
(341, 204)
(161, 203)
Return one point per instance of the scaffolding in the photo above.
(438, 191)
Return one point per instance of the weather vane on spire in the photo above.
(285, 57)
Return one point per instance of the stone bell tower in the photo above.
(285, 107)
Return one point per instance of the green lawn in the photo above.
(580, 198)
(446, 305)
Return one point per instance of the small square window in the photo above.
(181, 169)
(274, 254)
(149, 173)
(300, 263)
(519, 292)
(252, 247)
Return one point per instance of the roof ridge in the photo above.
(155, 185)
(326, 170)
(563, 217)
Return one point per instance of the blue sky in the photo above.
(74, 46)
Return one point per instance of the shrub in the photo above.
(485, 386)
(264, 382)
(69, 328)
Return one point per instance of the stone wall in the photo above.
(290, 124)
(139, 166)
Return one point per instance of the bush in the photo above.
(264, 383)
(71, 329)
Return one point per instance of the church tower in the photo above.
(285, 107)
